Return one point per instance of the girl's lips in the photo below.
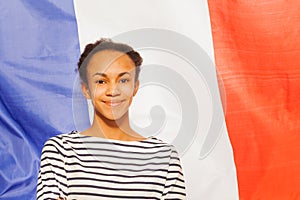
(113, 103)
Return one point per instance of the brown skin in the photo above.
(111, 85)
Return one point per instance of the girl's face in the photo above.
(111, 83)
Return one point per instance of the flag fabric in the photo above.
(257, 53)
(254, 45)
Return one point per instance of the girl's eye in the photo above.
(100, 81)
(124, 80)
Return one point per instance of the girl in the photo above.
(109, 160)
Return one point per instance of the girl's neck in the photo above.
(113, 129)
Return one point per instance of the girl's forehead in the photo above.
(106, 56)
(110, 61)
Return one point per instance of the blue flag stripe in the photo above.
(38, 55)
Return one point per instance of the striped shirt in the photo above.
(75, 166)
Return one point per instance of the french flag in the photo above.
(220, 81)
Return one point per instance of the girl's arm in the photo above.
(174, 186)
(52, 175)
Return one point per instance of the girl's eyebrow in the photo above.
(104, 75)
(123, 73)
(99, 74)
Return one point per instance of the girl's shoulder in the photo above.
(63, 139)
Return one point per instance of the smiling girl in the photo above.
(109, 160)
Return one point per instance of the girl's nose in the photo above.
(112, 90)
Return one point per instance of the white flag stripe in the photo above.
(213, 177)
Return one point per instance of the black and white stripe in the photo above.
(82, 167)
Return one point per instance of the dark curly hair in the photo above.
(107, 44)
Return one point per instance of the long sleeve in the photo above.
(52, 174)
(175, 185)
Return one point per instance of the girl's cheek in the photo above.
(127, 90)
(97, 91)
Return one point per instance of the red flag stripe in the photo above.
(257, 52)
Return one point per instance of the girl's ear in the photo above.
(136, 87)
(85, 90)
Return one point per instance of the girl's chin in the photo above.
(112, 116)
